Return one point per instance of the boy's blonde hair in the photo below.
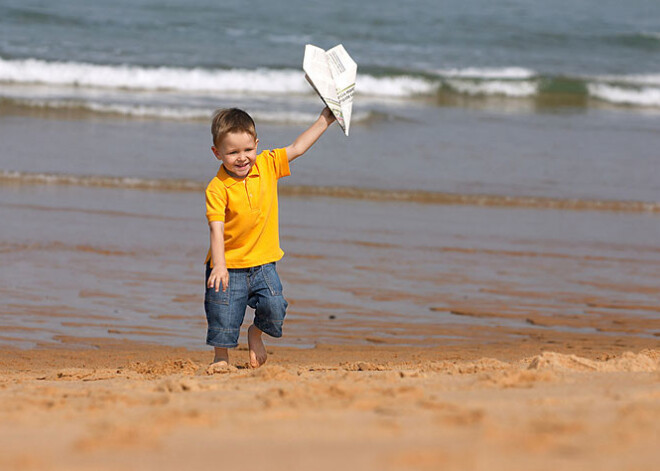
(230, 120)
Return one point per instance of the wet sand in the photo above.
(482, 407)
(128, 264)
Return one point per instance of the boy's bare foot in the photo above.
(257, 349)
(221, 355)
(220, 362)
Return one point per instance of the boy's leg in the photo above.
(225, 311)
(270, 309)
(221, 355)
(220, 362)
(256, 347)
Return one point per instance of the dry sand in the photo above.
(491, 407)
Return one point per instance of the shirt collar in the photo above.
(228, 180)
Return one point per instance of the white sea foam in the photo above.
(133, 110)
(197, 80)
(141, 111)
(511, 73)
(177, 113)
(402, 86)
(516, 89)
(299, 117)
(632, 79)
(143, 78)
(504, 81)
(646, 96)
(85, 81)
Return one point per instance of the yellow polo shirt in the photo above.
(248, 207)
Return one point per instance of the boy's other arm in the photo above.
(219, 274)
(310, 136)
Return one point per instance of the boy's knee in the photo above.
(269, 327)
(269, 315)
(273, 308)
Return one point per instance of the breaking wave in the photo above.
(195, 80)
(495, 87)
(643, 97)
(519, 73)
(166, 92)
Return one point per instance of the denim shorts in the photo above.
(258, 287)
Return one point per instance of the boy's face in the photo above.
(238, 152)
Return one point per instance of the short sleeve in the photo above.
(281, 163)
(216, 203)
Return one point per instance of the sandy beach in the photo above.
(484, 407)
(503, 338)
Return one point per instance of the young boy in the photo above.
(241, 208)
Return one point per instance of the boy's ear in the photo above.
(215, 152)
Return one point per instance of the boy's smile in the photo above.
(238, 152)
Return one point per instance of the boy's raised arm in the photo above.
(310, 136)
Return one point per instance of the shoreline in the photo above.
(19, 178)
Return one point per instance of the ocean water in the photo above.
(509, 108)
(167, 58)
(531, 98)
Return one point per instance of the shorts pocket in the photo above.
(219, 297)
(272, 279)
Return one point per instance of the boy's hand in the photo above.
(328, 116)
(219, 276)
